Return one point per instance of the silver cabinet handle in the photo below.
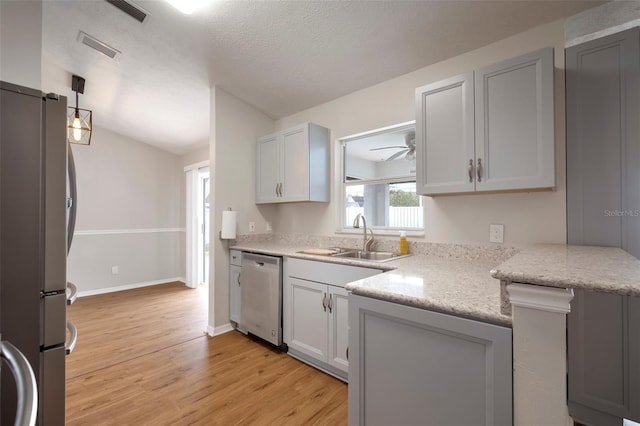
(69, 347)
(347, 353)
(277, 185)
(324, 301)
(330, 304)
(280, 190)
(471, 170)
(238, 279)
(479, 169)
(25, 382)
(73, 293)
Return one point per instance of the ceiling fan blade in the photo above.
(388, 147)
(397, 154)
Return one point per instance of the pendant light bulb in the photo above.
(77, 126)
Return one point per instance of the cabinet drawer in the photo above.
(235, 257)
(327, 273)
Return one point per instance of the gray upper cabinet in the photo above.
(489, 130)
(293, 165)
(603, 142)
(603, 205)
(515, 144)
(444, 127)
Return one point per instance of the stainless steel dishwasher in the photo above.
(261, 296)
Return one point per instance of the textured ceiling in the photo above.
(279, 56)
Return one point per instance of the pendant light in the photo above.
(79, 120)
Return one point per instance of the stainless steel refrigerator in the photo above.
(34, 218)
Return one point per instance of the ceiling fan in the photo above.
(409, 150)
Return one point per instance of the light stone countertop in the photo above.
(450, 284)
(604, 269)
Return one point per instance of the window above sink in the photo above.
(378, 181)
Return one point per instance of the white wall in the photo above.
(528, 217)
(235, 126)
(21, 42)
(128, 213)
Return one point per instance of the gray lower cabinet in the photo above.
(316, 312)
(603, 208)
(604, 358)
(410, 366)
(235, 267)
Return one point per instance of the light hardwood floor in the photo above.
(143, 359)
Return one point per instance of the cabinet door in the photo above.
(234, 293)
(308, 316)
(445, 136)
(602, 371)
(267, 169)
(514, 109)
(603, 142)
(294, 158)
(338, 328)
(409, 366)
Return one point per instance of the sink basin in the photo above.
(375, 256)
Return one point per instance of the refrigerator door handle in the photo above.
(69, 347)
(25, 382)
(71, 227)
(72, 295)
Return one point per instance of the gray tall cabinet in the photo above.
(603, 208)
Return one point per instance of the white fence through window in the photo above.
(399, 217)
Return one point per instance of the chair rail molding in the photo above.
(127, 231)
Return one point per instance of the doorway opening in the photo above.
(202, 206)
(198, 225)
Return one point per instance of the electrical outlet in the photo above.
(496, 233)
(268, 227)
(114, 270)
(252, 227)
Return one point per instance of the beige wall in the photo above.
(21, 42)
(126, 188)
(528, 217)
(195, 156)
(235, 126)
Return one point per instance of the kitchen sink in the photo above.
(375, 256)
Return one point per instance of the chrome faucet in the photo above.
(366, 245)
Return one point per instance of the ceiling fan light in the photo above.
(411, 155)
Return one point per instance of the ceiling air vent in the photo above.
(131, 9)
(96, 44)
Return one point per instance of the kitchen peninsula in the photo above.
(453, 283)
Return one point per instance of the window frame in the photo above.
(341, 227)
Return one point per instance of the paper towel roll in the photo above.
(228, 231)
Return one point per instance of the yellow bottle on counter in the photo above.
(404, 248)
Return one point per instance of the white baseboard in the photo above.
(221, 329)
(105, 290)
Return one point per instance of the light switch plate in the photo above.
(252, 227)
(114, 270)
(268, 227)
(496, 233)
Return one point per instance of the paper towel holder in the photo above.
(220, 232)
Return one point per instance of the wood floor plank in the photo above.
(157, 368)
